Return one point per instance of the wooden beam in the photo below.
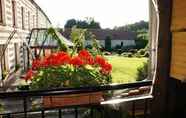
(159, 104)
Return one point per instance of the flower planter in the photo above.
(70, 100)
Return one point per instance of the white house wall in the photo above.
(89, 42)
(114, 43)
(37, 20)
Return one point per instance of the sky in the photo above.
(109, 13)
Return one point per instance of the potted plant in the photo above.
(60, 69)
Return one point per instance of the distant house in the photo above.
(124, 38)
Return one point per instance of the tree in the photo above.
(108, 43)
(89, 23)
(142, 39)
(134, 27)
(94, 25)
(70, 23)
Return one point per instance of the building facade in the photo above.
(118, 38)
(22, 16)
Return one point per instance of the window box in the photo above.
(71, 100)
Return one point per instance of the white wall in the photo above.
(89, 42)
(114, 42)
(125, 43)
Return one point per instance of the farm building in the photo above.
(124, 38)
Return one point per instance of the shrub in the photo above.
(117, 47)
(1, 108)
(108, 43)
(142, 72)
(88, 47)
(140, 44)
(107, 53)
(127, 54)
(141, 51)
(146, 54)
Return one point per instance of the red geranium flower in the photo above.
(63, 58)
(76, 61)
(29, 75)
(86, 57)
(84, 54)
(36, 64)
(100, 60)
(106, 68)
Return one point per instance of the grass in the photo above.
(125, 69)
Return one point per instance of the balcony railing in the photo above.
(22, 100)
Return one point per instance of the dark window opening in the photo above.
(1, 13)
(14, 13)
(23, 20)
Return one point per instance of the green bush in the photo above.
(141, 44)
(108, 43)
(88, 47)
(107, 53)
(141, 51)
(146, 54)
(1, 108)
(142, 72)
(117, 47)
(127, 54)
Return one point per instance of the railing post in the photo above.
(91, 112)
(76, 112)
(133, 109)
(6, 116)
(25, 107)
(146, 108)
(59, 113)
(43, 113)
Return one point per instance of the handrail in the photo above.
(67, 91)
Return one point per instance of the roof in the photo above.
(101, 34)
(32, 1)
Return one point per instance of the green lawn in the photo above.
(125, 69)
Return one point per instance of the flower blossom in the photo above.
(106, 68)
(29, 75)
(76, 61)
(86, 57)
(100, 60)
